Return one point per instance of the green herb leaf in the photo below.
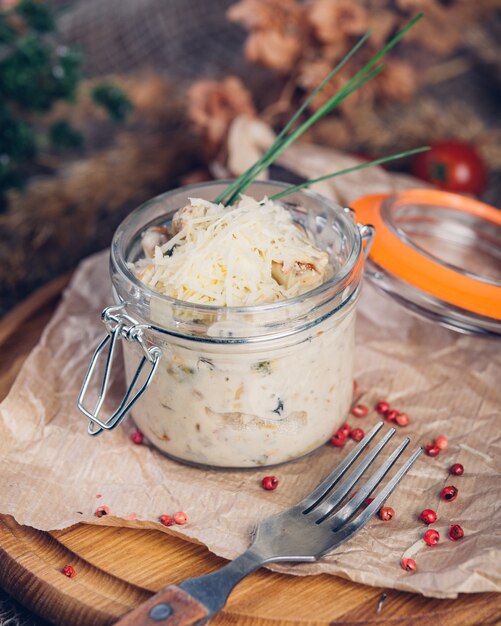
(63, 136)
(113, 100)
(7, 33)
(263, 367)
(36, 15)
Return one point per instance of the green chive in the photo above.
(321, 112)
(296, 115)
(284, 140)
(360, 166)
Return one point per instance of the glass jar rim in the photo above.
(119, 251)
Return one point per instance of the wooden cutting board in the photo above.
(116, 569)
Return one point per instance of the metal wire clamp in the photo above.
(119, 325)
(367, 231)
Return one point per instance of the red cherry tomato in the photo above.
(452, 165)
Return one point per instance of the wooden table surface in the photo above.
(116, 569)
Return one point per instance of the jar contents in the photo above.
(241, 408)
(251, 253)
(241, 404)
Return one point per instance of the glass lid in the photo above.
(438, 254)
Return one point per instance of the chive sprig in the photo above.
(289, 134)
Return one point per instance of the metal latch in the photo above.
(119, 326)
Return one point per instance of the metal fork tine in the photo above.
(350, 508)
(348, 530)
(326, 507)
(324, 488)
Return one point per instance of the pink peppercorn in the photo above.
(431, 537)
(269, 483)
(428, 516)
(457, 469)
(402, 419)
(386, 513)
(166, 520)
(391, 415)
(408, 564)
(68, 571)
(357, 434)
(455, 532)
(449, 493)
(180, 518)
(101, 511)
(431, 449)
(345, 430)
(442, 442)
(360, 410)
(137, 437)
(338, 439)
(382, 407)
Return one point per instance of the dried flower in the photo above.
(276, 50)
(398, 81)
(312, 73)
(283, 15)
(442, 32)
(214, 105)
(306, 38)
(332, 20)
(382, 23)
(278, 31)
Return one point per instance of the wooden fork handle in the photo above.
(174, 606)
(169, 607)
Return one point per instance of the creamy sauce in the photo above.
(242, 408)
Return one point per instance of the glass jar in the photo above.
(235, 387)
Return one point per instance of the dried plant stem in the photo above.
(445, 71)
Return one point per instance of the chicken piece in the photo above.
(301, 274)
(153, 237)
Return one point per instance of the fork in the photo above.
(321, 522)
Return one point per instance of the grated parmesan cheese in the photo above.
(250, 253)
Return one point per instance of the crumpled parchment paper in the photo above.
(52, 472)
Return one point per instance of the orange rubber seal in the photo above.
(392, 254)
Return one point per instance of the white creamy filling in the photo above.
(238, 405)
(241, 409)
